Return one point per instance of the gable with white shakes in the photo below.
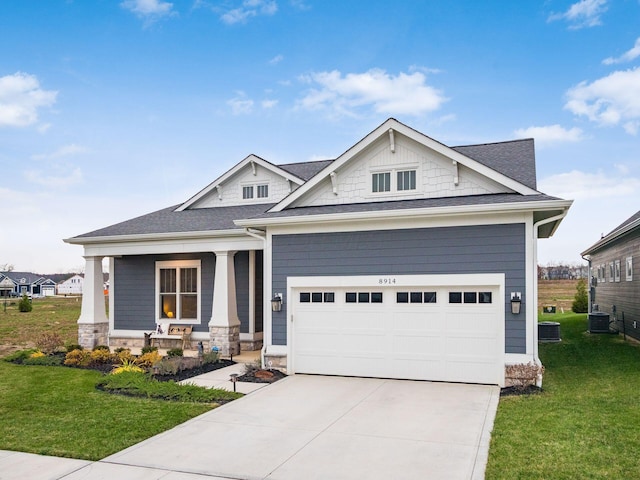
(388, 152)
(252, 181)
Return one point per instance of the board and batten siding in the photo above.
(241, 264)
(424, 251)
(624, 294)
(135, 290)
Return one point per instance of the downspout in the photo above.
(260, 235)
(536, 227)
(589, 282)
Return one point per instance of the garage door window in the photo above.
(484, 297)
(363, 297)
(455, 297)
(416, 297)
(317, 297)
(470, 297)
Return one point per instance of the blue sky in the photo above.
(110, 109)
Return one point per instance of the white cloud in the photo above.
(240, 104)
(20, 99)
(585, 13)
(578, 185)
(550, 134)
(64, 151)
(249, 9)
(611, 100)
(64, 180)
(627, 56)
(406, 94)
(269, 103)
(275, 60)
(149, 10)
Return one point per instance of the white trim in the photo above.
(416, 136)
(251, 160)
(112, 297)
(145, 237)
(252, 291)
(427, 212)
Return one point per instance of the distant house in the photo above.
(26, 283)
(71, 286)
(614, 264)
(401, 258)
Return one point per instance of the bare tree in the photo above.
(6, 267)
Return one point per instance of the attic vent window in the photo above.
(407, 180)
(381, 182)
(263, 191)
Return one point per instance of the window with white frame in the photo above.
(247, 192)
(612, 273)
(178, 289)
(263, 191)
(406, 180)
(616, 268)
(381, 182)
(629, 268)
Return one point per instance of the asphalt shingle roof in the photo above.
(305, 170)
(515, 159)
(168, 220)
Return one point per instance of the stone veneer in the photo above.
(227, 339)
(92, 334)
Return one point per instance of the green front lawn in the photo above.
(585, 423)
(58, 411)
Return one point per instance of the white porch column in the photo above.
(93, 324)
(224, 327)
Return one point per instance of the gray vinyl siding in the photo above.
(625, 295)
(449, 250)
(134, 290)
(241, 264)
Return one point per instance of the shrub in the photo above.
(149, 359)
(25, 304)
(49, 342)
(100, 357)
(127, 365)
(19, 356)
(210, 357)
(581, 300)
(73, 346)
(45, 360)
(148, 349)
(175, 352)
(77, 358)
(123, 355)
(167, 366)
(101, 347)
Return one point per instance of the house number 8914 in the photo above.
(387, 281)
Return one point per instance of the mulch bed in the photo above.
(195, 371)
(528, 390)
(261, 376)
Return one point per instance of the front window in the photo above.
(178, 291)
(247, 192)
(263, 191)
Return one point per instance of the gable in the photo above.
(252, 181)
(429, 173)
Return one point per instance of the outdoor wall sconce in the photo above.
(516, 302)
(276, 303)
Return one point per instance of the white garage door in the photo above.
(405, 328)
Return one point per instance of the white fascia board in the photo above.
(145, 237)
(378, 215)
(416, 136)
(230, 173)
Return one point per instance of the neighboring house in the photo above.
(71, 286)
(401, 258)
(27, 283)
(615, 272)
(7, 286)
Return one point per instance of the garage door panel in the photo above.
(404, 336)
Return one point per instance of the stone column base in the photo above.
(92, 334)
(227, 339)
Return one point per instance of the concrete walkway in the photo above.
(307, 427)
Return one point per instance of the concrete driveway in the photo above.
(318, 427)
